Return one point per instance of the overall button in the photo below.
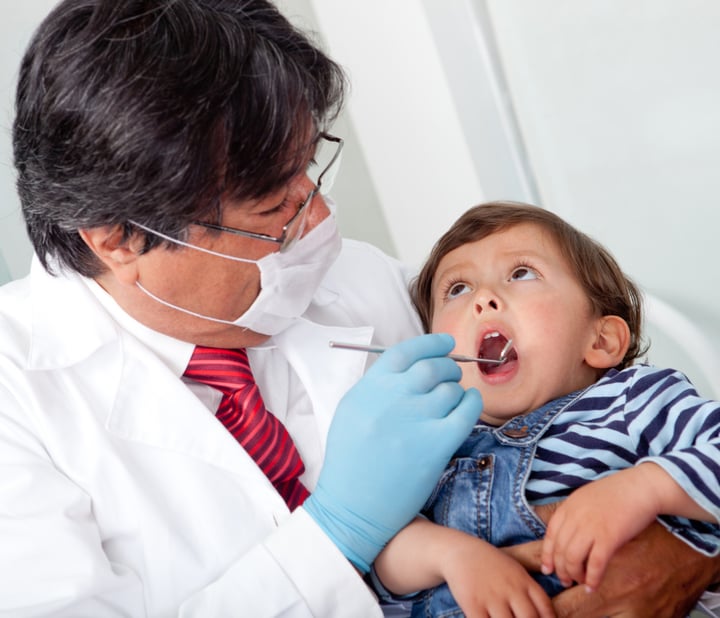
(520, 432)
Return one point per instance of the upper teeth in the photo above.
(492, 334)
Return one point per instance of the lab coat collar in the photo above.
(64, 299)
(90, 319)
(134, 393)
(170, 417)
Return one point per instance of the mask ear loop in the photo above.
(187, 244)
(183, 310)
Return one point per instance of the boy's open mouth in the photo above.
(491, 347)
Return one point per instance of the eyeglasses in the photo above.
(321, 171)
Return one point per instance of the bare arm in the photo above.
(481, 578)
(411, 561)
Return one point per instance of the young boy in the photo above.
(568, 407)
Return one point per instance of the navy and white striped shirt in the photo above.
(639, 414)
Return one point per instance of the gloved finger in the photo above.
(426, 374)
(439, 402)
(465, 415)
(403, 355)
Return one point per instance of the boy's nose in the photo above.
(485, 301)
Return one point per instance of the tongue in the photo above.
(492, 347)
(490, 369)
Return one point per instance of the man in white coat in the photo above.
(139, 126)
(172, 158)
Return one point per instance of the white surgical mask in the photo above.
(288, 280)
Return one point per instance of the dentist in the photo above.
(172, 160)
(172, 157)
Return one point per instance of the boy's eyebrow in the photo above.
(538, 259)
(441, 274)
(513, 254)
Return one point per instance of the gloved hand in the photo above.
(391, 438)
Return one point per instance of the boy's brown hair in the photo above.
(609, 290)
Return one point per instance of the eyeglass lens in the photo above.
(321, 165)
(296, 228)
(321, 162)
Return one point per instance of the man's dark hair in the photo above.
(151, 110)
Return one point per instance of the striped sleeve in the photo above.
(639, 414)
(636, 415)
(678, 430)
(587, 440)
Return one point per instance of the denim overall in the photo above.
(482, 492)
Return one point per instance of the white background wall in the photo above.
(605, 111)
(17, 21)
(619, 107)
(619, 104)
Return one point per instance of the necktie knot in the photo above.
(243, 413)
(224, 369)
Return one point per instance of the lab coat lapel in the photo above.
(326, 373)
(162, 412)
(131, 390)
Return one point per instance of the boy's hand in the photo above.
(593, 523)
(486, 582)
(655, 574)
(482, 580)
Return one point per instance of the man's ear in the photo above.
(119, 255)
(610, 343)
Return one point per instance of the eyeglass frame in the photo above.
(283, 240)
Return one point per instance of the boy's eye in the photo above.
(523, 273)
(458, 289)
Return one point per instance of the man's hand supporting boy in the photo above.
(655, 574)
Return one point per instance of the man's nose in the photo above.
(318, 211)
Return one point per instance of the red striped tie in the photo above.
(244, 414)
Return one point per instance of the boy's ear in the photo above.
(610, 343)
(117, 253)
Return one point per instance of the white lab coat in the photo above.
(121, 494)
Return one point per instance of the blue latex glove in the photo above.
(392, 436)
